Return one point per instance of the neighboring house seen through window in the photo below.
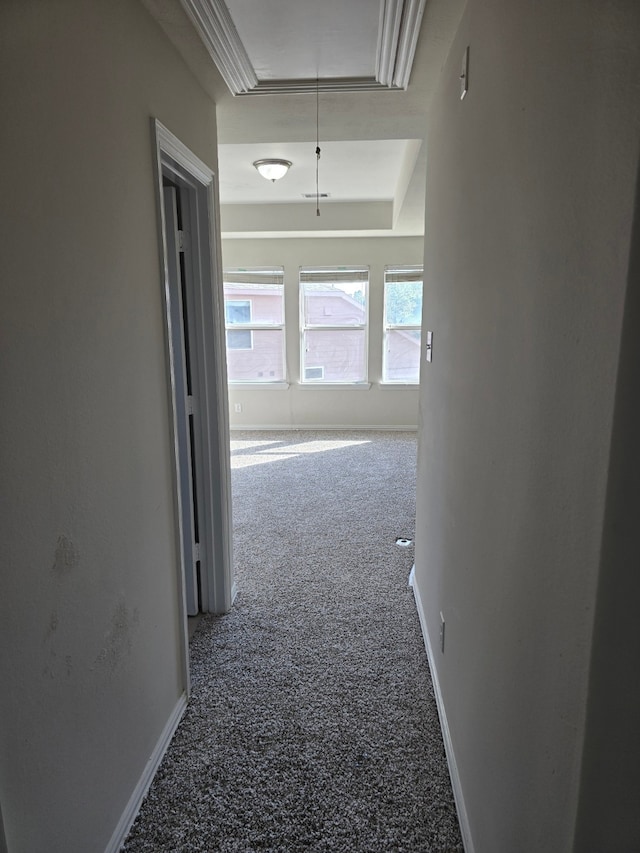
(254, 316)
(333, 325)
(402, 324)
(238, 311)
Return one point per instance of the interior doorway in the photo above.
(196, 359)
(188, 438)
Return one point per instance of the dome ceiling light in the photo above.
(273, 170)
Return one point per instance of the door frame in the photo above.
(174, 160)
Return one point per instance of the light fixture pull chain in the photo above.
(317, 147)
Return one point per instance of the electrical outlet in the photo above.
(441, 632)
(237, 408)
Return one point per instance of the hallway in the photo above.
(312, 723)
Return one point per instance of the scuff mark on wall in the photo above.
(53, 625)
(66, 556)
(118, 639)
(48, 668)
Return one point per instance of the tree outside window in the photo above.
(402, 324)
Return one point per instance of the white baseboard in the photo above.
(321, 428)
(135, 801)
(463, 818)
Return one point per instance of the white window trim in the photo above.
(318, 385)
(267, 385)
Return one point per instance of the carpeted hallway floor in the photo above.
(312, 724)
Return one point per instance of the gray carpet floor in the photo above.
(312, 724)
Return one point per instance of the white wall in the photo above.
(608, 817)
(380, 406)
(90, 668)
(530, 199)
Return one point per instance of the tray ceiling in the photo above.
(373, 119)
(280, 47)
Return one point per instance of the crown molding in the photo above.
(301, 87)
(388, 35)
(215, 27)
(397, 38)
(407, 41)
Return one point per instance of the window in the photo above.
(402, 324)
(238, 311)
(254, 318)
(239, 339)
(333, 324)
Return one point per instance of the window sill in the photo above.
(335, 386)
(411, 386)
(258, 386)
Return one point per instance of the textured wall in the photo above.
(530, 194)
(90, 666)
(300, 407)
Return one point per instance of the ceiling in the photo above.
(333, 38)
(359, 73)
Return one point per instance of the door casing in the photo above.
(197, 181)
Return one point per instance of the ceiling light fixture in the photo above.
(273, 170)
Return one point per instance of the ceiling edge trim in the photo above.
(398, 31)
(391, 14)
(410, 30)
(215, 27)
(329, 84)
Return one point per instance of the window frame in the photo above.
(253, 326)
(397, 270)
(338, 274)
